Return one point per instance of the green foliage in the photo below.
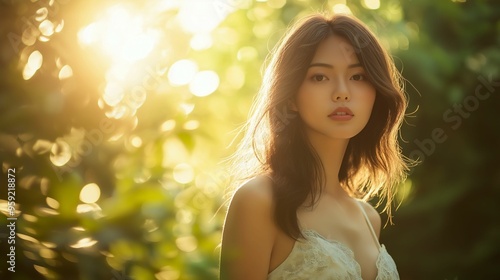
(153, 152)
(445, 227)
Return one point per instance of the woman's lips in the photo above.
(341, 114)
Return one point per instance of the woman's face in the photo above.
(335, 99)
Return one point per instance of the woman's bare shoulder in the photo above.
(259, 187)
(249, 231)
(252, 202)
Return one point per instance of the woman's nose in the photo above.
(341, 93)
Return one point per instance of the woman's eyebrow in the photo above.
(319, 64)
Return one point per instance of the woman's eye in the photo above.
(358, 77)
(319, 78)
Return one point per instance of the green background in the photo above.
(150, 222)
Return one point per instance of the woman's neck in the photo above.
(331, 152)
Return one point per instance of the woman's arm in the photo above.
(249, 232)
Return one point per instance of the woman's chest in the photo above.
(348, 229)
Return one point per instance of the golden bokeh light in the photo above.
(183, 173)
(199, 16)
(46, 28)
(204, 83)
(28, 238)
(45, 212)
(127, 37)
(167, 125)
(247, 54)
(60, 153)
(92, 208)
(187, 243)
(341, 9)
(84, 243)
(52, 202)
(372, 4)
(168, 273)
(30, 218)
(29, 36)
(262, 29)
(184, 216)
(41, 14)
(47, 253)
(34, 63)
(88, 34)
(227, 36)
(113, 93)
(136, 141)
(4, 205)
(43, 38)
(90, 193)
(65, 72)
(191, 125)
(59, 27)
(118, 72)
(201, 41)
(182, 72)
(42, 270)
(186, 108)
(121, 35)
(78, 229)
(138, 47)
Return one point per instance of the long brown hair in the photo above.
(275, 144)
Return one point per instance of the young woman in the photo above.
(324, 138)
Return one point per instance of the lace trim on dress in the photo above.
(320, 258)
